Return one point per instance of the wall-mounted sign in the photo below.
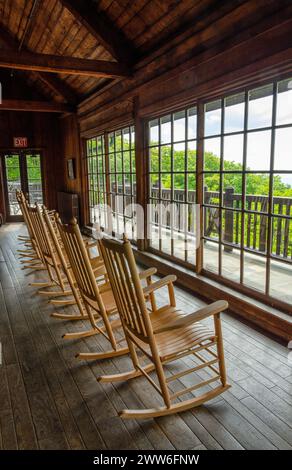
(20, 142)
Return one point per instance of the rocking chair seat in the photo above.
(173, 342)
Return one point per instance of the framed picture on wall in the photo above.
(71, 168)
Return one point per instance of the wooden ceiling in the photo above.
(119, 32)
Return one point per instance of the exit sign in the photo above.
(20, 141)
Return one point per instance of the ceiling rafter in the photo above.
(61, 64)
(35, 106)
(52, 81)
(101, 27)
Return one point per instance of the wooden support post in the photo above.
(141, 174)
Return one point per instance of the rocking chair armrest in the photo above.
(165, 281)
(201, 314)
(147, 273)
(99, 270)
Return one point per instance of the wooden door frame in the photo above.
(23, 177)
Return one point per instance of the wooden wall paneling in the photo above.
(71, 148)
(42, 132)
(248, 53)
(2, 194)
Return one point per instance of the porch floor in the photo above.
(50, 400)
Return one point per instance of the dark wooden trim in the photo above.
(263, 50)
(35, 106)
(84, 182)
(141, 175)
(61, 64)
(100, 26)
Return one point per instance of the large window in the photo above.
(172, 150)
(111, 178)
(247, 230)
(96, 177)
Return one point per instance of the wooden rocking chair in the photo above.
(49, 257)
(31, 253)
(97, 297)
(164, 335)
(96, 263)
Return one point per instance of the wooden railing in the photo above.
(255, 225)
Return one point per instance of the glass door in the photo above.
(22, 171)
(13, 182)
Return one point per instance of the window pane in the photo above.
(179, 157)
(126, 138)
(232, 190)
(212, 153)
(233, 152)
(260, 107)
(254, 271)
(257, 192)
(165, 123)
(165, 158)
(231, 227)
(282, 237)
(230, 263)
(234, 113)
(283, 149)
(211, 222)
(192, 123)
(211, 256)
(154, 159)
(111, 142)
(154, 133)
(192, 150)
(126, 161)
(179, 126)
(118, 141)
(282, 193)
(179, 186)
(212, 188)
(191, 187)
(154, 185)
(213, 118)
(284, 102)
(280, 278)
(258, 150)
(255, 232)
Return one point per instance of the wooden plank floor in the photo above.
(50, 400)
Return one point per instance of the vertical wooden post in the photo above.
(141, 172)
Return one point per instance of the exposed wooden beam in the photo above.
(58, 86)
(35, 106)
(61, 64)
(100, 26)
